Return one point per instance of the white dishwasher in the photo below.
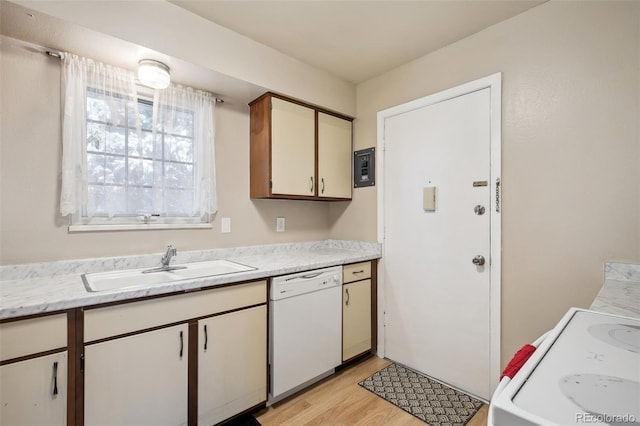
(305, 320)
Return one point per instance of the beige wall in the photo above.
(31, 228)
(570, 150)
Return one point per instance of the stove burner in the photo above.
(622, 336)
(606, 396)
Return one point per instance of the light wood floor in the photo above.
(339, 401)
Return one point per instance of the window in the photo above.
(126, 163)
(145, 160)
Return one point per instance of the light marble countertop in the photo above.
(53, 286)
(620, 293)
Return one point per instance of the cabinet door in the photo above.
(34, 392)
(292, 148)
(232, 364)
(334, 157)
(356, 318)
(138, 380)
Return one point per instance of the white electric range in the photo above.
(586, 371)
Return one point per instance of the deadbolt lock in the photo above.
(479, 210)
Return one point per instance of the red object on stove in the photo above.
(518, 361)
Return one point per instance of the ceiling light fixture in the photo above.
(153, 74)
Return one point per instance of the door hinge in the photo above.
(81, 362)
(270, 184)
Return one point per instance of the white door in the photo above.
(356, 318)
(293, 144)
(437, 301)
(334, 156)
(138, 380)
(34, 392)
(232, 364)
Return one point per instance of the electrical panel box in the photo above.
(364, 173)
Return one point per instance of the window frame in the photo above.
(79, 222)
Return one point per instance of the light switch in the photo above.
(429, 198)
(225, 225)
(280, 224)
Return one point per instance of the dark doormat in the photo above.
(430, 401)
(244, 420)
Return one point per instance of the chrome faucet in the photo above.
(166, 259)
(168, 255)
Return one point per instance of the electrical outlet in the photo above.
(225, 225)
(280, 224)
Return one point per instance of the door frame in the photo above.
(494, 83)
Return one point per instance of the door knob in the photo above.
(478, 260)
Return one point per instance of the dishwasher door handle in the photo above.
(305, 277)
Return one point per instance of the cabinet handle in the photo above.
(206, 337)
(322, 181)
(55, 378)
(181, 344)
(311, 188)
(347, 290)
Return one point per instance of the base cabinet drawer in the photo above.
(356, 272)
(34, 392)
(31, 336)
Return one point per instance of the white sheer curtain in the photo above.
(81, 76)
(125, 157)
(184, 114)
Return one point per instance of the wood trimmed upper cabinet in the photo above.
(292, 148)
(299, 151)
(334, 157)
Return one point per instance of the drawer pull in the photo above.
(347, 302)
(206, 337)
(358, 272)
(55, 378)
(181, 344)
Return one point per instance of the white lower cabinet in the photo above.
(356, 318)
(138, 380)
(138, 360)
(34, 392)
(232, 364)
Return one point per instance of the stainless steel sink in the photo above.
(103, 281)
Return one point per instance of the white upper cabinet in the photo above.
(299, 151)
(293, 155)
(334, 156)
